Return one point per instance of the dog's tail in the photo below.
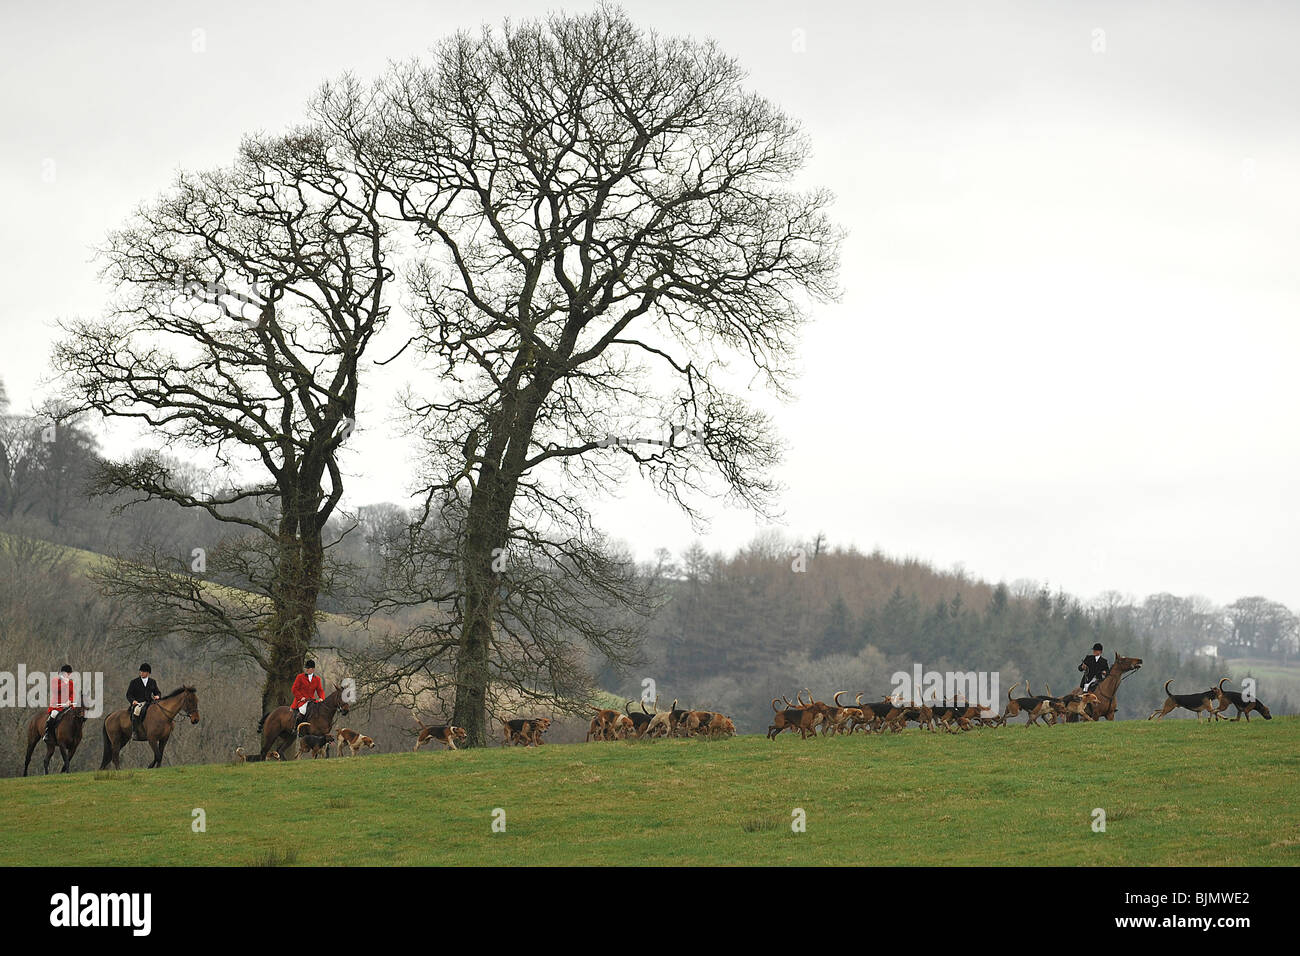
(1028, 692)
(775, 708)
(1222, 682)
(836, 698)
(1167, 683)
(1012, 689)
(305, 723)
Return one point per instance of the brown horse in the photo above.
(282, 723)
(1107, 690)
(67, 736)
(156, 725)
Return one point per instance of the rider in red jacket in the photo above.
(63, 694)
(307, 687)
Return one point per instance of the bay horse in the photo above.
(157, 725)
(282, 723)
(67, 736)
(1109, 688)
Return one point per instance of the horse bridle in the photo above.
(172, 719)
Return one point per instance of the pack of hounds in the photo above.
(633, 723)
(894, 714)
(808, 717)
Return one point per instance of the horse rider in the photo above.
(63, 695)
(1094, 667)
(139, 695)
(307, 687)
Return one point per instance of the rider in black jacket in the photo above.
(140, 693)
(1094, 667)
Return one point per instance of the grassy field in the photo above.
(1173, 792)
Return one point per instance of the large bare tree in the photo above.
(246, 300)
(613, 242)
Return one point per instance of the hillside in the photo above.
(1174, 793)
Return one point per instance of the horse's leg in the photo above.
(66, 753)
(271, 734)
(31, 748)
(120, 739)
(158, 745)
(108, 747)
(49, 754)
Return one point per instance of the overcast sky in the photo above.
(1068, 341)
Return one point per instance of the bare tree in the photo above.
(20, 464)
(615, 255)
(247, 299)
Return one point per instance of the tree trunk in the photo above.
(473, 671)
(293, 624)
(487, 534)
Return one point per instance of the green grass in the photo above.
(1174, 793)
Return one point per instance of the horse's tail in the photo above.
(261, 721)
(108, 745)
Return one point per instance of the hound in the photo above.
(660, 724)
(640, 722)
(525, 730)
(1234, 698)
(802, 717)
(1200, 703)
(1031, 706)
(695, 722)
(675, 718)
(314, 744)
(443, 733)
(352, 741)
(254, 758)
(721, 726)
(602, 724)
